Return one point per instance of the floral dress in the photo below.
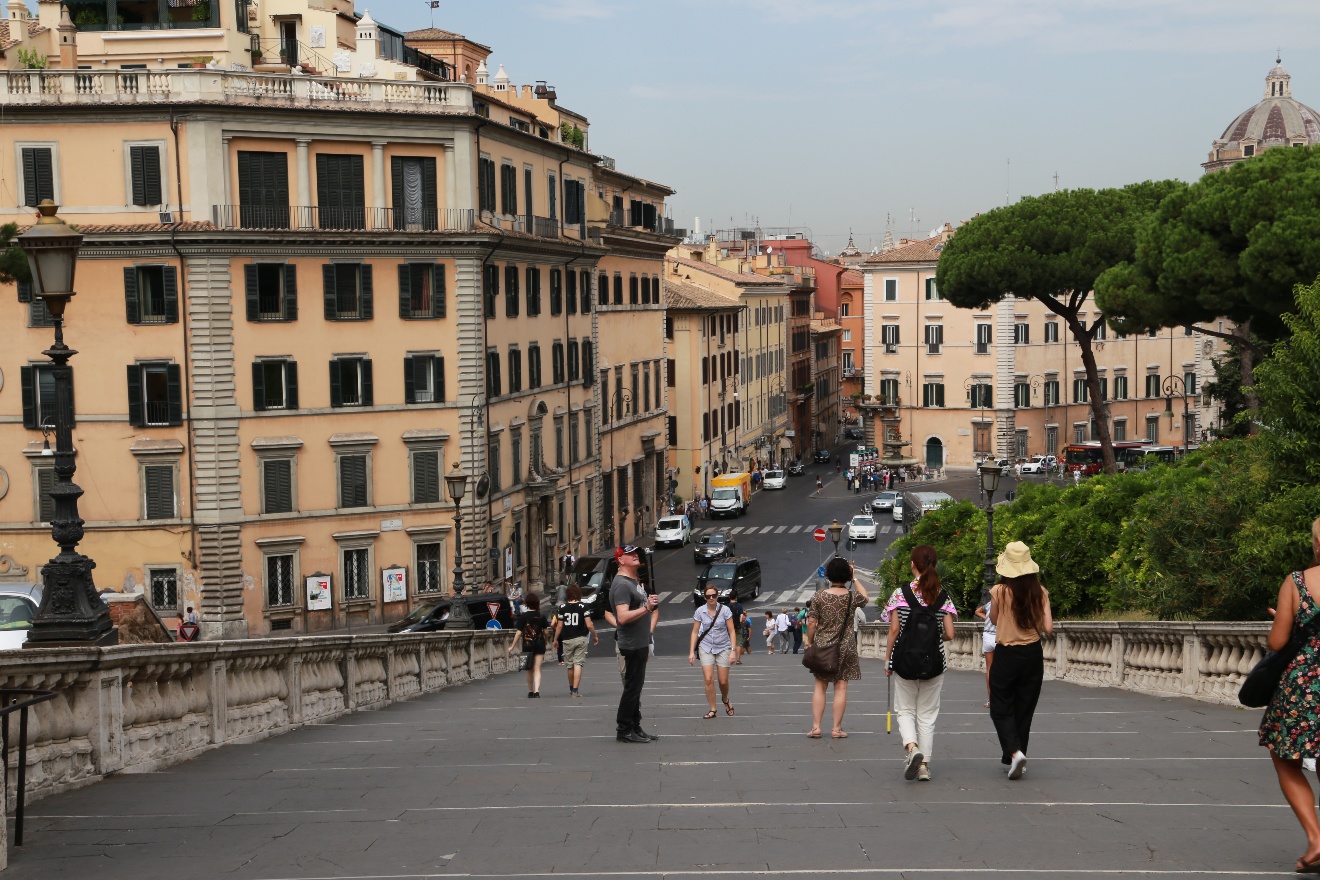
(834, 614)
(1291, 725)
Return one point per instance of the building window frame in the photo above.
(347, 446)
(131, 186)
(31, 200)
(149, 572)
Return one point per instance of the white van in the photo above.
(675, 530)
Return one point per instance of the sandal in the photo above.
(814, 733)
(839, 734)
(709, 715)
(728, 709)
(1305, 867)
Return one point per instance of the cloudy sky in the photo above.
(853, 114)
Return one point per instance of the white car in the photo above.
(884, 501)
(17, 608)
(1039, 464)
(675, 530)
(897, 510)
(862, 528)
(773, 480)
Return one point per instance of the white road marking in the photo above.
(794, 529)
(767, 530)
(781, 530)
(679, 597)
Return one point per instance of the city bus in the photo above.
(1090, 459)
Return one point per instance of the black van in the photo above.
(595, 572)
(736, 578)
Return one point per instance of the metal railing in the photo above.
(312, 217)
(543, 227)
(11, 701)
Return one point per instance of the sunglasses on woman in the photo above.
(712, 595)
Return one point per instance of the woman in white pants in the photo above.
(923, 613)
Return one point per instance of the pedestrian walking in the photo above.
(529, 632)
(987, 645)
(632, 609)
(828, 623)
(705, 508)
(782, 630)
(572, 627)
(739, 621)
(771, 632)
(795, 623)
(819, 484)
(1077, 475)
(1020, 611)
(712, 640)
(1290, 728)
(920, 617)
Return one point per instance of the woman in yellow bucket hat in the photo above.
(1020, 611)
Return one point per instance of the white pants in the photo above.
(917, 704)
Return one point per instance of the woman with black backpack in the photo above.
(1020, 611)
(920, 617)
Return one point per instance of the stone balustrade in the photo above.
(62, 87)
(1206, 661)
(137, 708)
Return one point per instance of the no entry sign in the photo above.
(819, 535)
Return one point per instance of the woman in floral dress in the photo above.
(1291, 726)
(831, 619)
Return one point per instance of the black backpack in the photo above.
(917, 655)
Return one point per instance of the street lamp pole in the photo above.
(836, 532)
(71, 611)
(989, 475)
(456, 481)
(620, 401)
(551, 539)
(1176, 386)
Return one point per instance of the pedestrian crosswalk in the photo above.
(795, 596)
(780, 530)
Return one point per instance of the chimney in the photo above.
(67, 35)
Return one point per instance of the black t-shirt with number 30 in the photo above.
(574, 617)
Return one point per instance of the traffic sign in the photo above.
(819, 535)
(820, 572)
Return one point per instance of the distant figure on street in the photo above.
(796, 621)
(1020, 611)
(739, 621)
(987, 645)
(572, 626)
(782, 631)
(712, 640)
(771, 633)
(1290, 728)
(829, 622)
(1077, 475)
(632, 609)
(529, 631)
(819, 484)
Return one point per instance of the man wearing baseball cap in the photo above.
(632, 611)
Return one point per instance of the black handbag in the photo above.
(1260, 684)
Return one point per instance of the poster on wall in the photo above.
(394, 584)
(508, 563)
(318, 592)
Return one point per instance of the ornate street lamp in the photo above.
(551, 539)
(71, 612)
(989, 474)
(1176, 386)
(836, 531)
(456, 481)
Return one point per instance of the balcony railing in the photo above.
(543, 227)
(302, 217)
(21, 87)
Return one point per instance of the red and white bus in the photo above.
(1090, 459)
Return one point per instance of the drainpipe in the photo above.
(185, 391)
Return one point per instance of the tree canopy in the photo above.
(13, 262)
(1051, 248)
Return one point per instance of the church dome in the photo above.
(1279, 120)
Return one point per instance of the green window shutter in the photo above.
(46, 503)
(353, 481)
(27, 379)
(38, 175)
(174, 393)
(136, 412)
(409, 378)
(24, 291)
(426, 477)
(277, 479)
(159, 481)
(438, 304)
(250, 292)
(171, 276)
(396, 190)
(336, 391)
(131, 310)
(368, 398)
(430, 200)
(259, 385)
(405, 290)
(331, 295)
(290, 384)
(438, 380)
(366, 309)
(290, 292)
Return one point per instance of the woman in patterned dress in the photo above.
(831, 620)
(1291, 726)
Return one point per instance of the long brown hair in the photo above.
(925, 558)
(1028, 600)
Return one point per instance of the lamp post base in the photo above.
(71, 612)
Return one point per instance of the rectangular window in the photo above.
(982, 395)
(847, 336)
(423, 379)
(574, 443)
(155, 395)
(38, 175)
(279, 580)
(413, 185)
(144, 168)
(341, 201)
(1079, 391)
(350, 382)
(557, 362)
(1152, 429)
(353, 482)
(603, 289)
(932, 394)
(584, 278)
(618, 289)
(934, 338)
(932, 292)
(981, 439)
(493, 463)
(430, 568)
(646, 387)
(574, 362)
(514, 360)
(271, 291)
(1189, 383)
(158, 491)
(534, 366)
(515, 458)
(1052, 392)
(1052, 441)
(1051, 331)
(533, 291)
(1021, 395)
(493, 373)
(511, 292)
(1120, 430)
(348, 291)
(633, 298)
(163, 584)
(421, 290)
(508, 190)
(151, 294)
(559, 442)
(889, 337)
(486, 184)
(426, 476)
(490, 288)
(983, 333)
(44, 480)
(1104, 388)
(1022, 334)
(38, 392)
(1079, 433)
(891, 290)
(277, 485)
(889, 392)
(1101, 331)
(263, 190)
(357, 573)
(274, 385)
(1152, 385)
(557, 291)
(1120, 388)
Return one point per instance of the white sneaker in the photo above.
(912, 764)
(1018, 767)
(1308, 764)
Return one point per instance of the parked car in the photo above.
(861, 527)
(18, 605)
(853, 433)
(822, 456)
(437, 614)
(711, 546)
(673, 530)
(897, 510)
(884, 501)
(773, 479)
(734, 578)
(795, 468)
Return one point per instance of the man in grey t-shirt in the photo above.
(632, 609)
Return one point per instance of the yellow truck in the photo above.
(730, 494)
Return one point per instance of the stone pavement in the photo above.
(479, 781)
